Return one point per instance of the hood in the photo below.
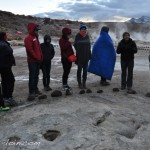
(104, 29)
(31, 27)
(66, 31)
(47, 37)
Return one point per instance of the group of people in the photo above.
(100, 61)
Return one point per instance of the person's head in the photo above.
(47, 39)
(3, 36)
(126, 36)
(33, 28)
(83, 29)
(66, 32)
(104, 29)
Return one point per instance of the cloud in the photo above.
(101, 10)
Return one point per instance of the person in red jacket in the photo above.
(66, 51)
(34, 58)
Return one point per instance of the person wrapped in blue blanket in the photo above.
(103, 58)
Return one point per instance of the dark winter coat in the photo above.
(83, 49)
(65, 47)
(47, 50)
(6, 55)
(33, 49)
(127, 49)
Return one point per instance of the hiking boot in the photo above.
(104, 83)
(130, 91)
(48, 88)
(10, 102)
(37, 93)
(31, 97)
(65, 87)
(4, 108)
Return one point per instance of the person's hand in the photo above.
(71, 40)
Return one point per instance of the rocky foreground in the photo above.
(91, 121)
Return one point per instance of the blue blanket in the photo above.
(103, 58)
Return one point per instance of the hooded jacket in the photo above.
(65, 45)
(47, 49)
(33, 49)
(127, 49)
(6, 55)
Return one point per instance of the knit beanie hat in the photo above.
(83, 26)
(66, 31)
(125, 33)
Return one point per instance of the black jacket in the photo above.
(6, 55)
(83, 49)
(47, 49)
(127, 49)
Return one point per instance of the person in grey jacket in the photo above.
(83, 52)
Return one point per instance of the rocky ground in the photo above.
(91, 121)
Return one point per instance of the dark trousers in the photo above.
(33, 77)
(46, 67)
(66, 70)
(7, 82)
(1, 98)
(127, 73)
(79, 73)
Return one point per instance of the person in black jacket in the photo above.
(127, 48)
(48, 54)
(6, 62)
(83, 52)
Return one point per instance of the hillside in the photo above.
(11, 23)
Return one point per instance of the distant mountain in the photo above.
(143, 19)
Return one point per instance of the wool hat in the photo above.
(83, 26)
(125, 33)
(66, 31)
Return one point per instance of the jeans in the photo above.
(79, 72)
(46, 67)
(127, 73)
(8, 81)
(33, 77)
(66, 70)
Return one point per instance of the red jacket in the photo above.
(65, 47)
(33, 49)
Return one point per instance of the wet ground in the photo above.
(94, 121)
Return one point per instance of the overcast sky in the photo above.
(86, 10)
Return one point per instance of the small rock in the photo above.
(100, 91)
(56, 93)
(88, 91)
(43, 96)
(147, 94)
(115, 89)
(82, 92)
